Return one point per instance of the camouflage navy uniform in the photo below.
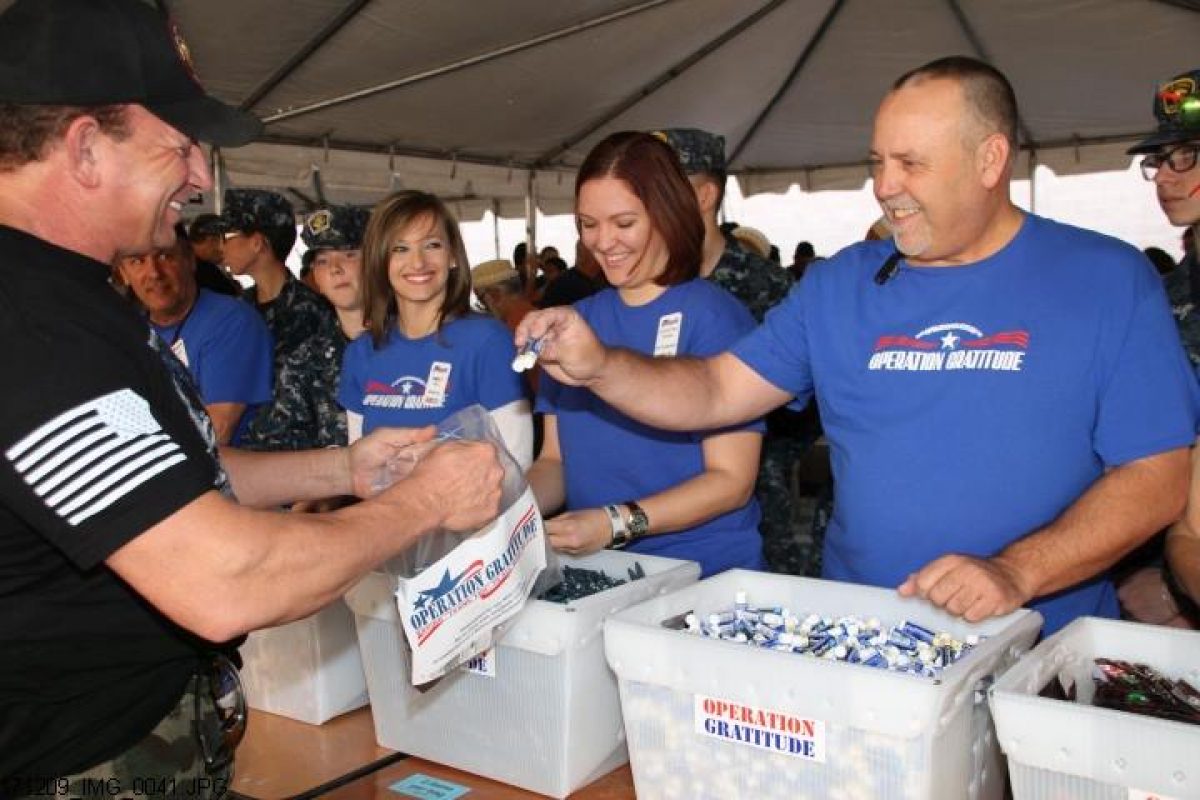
(294, 317)
(1183, 305)
(760, 285)
(304, 411)
(166, 763)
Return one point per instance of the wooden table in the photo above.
(281, 758)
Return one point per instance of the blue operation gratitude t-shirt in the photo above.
(610, 458)
(968, 406)
(227, 348)
(415, 382)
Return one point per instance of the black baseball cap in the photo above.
(106, 52)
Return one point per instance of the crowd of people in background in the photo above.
(996, 439)
(403, 299)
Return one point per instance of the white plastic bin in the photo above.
(550, 718)
(309, 670)
(1080, 751)
(843, 730)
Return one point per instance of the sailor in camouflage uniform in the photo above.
(760, 284)
(260, 231)
(1172, 161)
(305, 412)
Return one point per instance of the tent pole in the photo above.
(218, 173)
(496, 224)
(1032, 181)
(530, 214)
(462, 63)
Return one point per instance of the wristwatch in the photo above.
(639, 523)
(620, 532)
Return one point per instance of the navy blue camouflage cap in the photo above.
(1177, 109)
(256, 210)
(698, 151)
(335, 228)
(204, 226)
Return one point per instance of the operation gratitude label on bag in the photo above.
(450, 609)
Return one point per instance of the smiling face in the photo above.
(926, 173)
(419, 262)
(338, 276)
(616, 229)
(152, 174)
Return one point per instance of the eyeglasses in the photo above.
(1179, 159)
(220, 713)
(227, 235)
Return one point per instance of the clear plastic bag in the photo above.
(472, 423)
(463, 580)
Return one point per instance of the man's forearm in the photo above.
(667, 393)
(685, 393)
(351, 542)
(249, 569)
(263, 480)
(1120, 511)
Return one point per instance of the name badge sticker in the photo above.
(666, 343)
(760, 728)
(437, 383)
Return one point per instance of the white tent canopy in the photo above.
(469, 98)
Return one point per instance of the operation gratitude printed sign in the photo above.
(450, 609)
(762, 728)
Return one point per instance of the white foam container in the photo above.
(550, 719)
(1062, 749)
(886, 735)
(309, 670)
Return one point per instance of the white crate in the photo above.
(1083, 752)
(550, 719)
(885, 735)
(309, 670)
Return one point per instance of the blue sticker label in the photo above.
(423, 787)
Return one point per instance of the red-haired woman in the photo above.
(682, 495)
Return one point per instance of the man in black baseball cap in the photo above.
(127, 569)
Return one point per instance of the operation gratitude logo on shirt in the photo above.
(409, 391)
(960, 346)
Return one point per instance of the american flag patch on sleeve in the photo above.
(86, 459)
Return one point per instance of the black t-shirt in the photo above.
(98, 442)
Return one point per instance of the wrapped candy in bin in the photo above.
(1074, 749)
(718, 718)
